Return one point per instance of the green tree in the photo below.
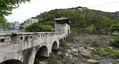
(6, 6)
(91, 28)
(114, 27)
(38, 27)
(35, 27)
(47, 28)
(3, 23)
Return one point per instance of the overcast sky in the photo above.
(36, 7)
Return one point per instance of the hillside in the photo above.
(81, 17)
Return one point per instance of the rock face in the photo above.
(79, 50)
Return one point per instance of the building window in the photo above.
(2, 40)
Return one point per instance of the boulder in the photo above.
(84, 52)
(93, 61)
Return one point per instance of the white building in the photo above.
(29, 21)
(15, 25)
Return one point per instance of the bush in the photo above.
(107, 52)
(37, 27)
(95, 44)
(116, 63)
(115, 43)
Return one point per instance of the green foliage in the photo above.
(6, 6)
(83, 19)
(37, 27)
(91, 28)
(115, 43)
(116, 63)
(47, 28)
(95, 44)
(114, 27)
(107, 52)
(3, 23)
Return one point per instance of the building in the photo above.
(29, 21)
(14, 26)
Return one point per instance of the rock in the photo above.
(74, 50)
(117, 60)
(85, 55)
(59, 53)
(91, 48)
(69, 51)
(110, 48)
(84, 52)
(70, 56)
(93, 61)
(67, 54)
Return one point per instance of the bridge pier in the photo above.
(32, 56)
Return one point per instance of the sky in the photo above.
(35, 7)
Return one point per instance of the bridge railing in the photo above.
(21, 45)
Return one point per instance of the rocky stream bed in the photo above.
(80, 50)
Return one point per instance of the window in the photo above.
(2, 40)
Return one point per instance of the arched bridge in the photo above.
(23, 47)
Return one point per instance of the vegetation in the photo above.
(90, 21)
(115, 43)
(91, 28)
(114, 27)
(6, 7)
(95, 44)
(116, 63)
(107, 52)
(3, 23)
(37, 27)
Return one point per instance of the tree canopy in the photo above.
(114, 27)
(96, 21)
(79, 18)
(6, 6)
(37, 27)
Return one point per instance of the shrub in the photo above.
(95, 44)
(107, 52)
(115, 43)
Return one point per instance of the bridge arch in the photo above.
(12, 61)
(43, 51)
(55, 45)
(60, 42)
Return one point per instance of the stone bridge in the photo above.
(24, 47)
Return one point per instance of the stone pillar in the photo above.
(32, 56)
